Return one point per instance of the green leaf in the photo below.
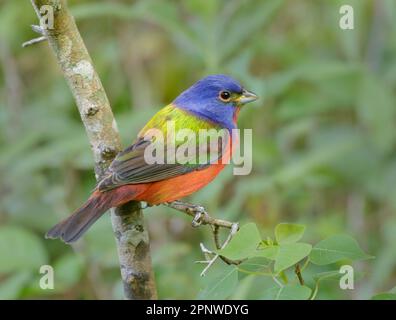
(243, 244)
(222, 285)
(288, 292)
(384, 296)
(289, 254)
(97, 10)
(68, 270)
(336, 248)
(243, 26)
(327, 275)
(166, 14)
(255, 265)
(20, 250)
(289, 232)
(11, 287)
(380, 121)
(269, 252)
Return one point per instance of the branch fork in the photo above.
(38, 30)
(201, 217)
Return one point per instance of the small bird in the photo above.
(213, 102)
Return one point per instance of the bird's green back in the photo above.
(180, 118)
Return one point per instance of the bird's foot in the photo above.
(199, 214)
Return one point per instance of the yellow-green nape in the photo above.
(174, 117)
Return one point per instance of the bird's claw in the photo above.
(200, 213)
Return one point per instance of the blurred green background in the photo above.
(324, 134)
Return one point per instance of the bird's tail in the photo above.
(73, 227)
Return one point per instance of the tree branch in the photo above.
(199, 214)
(128, 224)
(34, 41)
(201, 217)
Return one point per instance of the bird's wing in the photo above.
(131, 167)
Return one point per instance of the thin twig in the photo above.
(210, 262)
(215, 230)
(36, 28)
(40, 31)
(34, 41)
(297, 271)
(203, 217)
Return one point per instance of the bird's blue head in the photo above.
(216, 98)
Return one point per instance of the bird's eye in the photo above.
(225, 96)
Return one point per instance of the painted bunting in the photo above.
(213, 102)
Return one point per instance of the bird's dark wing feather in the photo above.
(130, 167)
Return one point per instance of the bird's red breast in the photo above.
(173, 188)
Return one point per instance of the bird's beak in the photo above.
(247, 97)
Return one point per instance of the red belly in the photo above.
(173, 188)
(179, 187)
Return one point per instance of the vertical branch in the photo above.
(128, 224)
